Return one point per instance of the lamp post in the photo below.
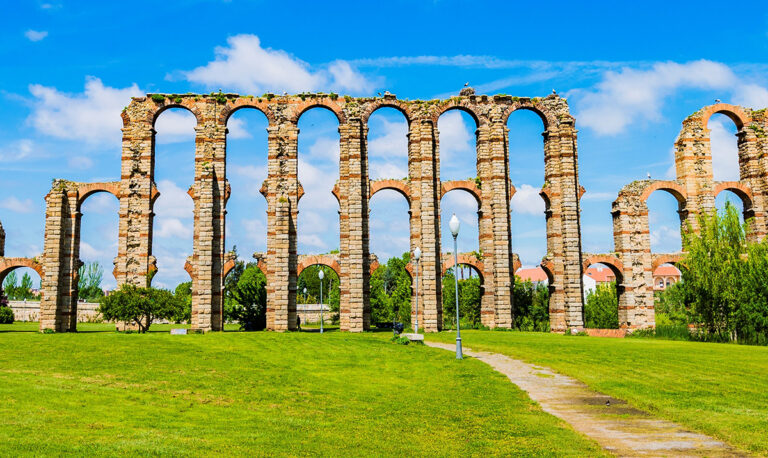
(321, 275)
(416, 256)
(454, 224)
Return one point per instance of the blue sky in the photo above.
(631, 73)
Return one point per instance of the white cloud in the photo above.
(87, 251)
(174, 126)
(313, 240)
(80, 162)
(35, 35)
(317, 185)
(237, 128)
(92, 116)
(725, 152)
(392, 140)
(665, 239)
(628, 95)
(751, 95)
(527, 201)
(174, 202)
(325, 148)
(383, 170)
(18, 150)
(15, 205)
(173, 227)
(101, 203)
(244, 65)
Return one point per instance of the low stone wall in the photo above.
(30, 311)
(310, 313)
(618, 333)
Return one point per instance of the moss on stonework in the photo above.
(157, 98)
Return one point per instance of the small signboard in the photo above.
(179, 332)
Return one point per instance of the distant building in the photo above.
(535, 275)
(665, 276)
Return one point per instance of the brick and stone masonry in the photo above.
(208, 264)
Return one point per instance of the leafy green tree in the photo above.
(469, 301)
(331, 292)
(16, 291)
(140, 305)
(723, 288)
(390, 291)
(89, 280)
(601, 309)
(531, 305)
(249, 299)
(183, 294)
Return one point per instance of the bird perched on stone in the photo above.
(466, 84)
(717, 100)
(554, 91)
(608, 403)
(649, 175)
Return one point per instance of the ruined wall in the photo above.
(423, 189)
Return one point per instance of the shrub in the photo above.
(140, 305)
(601, 309)
(6, 315)
(158, 98)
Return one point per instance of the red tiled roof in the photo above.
(601, 274)
(666, 270)
(534, 274)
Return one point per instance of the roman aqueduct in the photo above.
(632, 262)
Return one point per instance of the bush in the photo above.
(6, 315)
(140, 305)
(531, 305)
(601, 309)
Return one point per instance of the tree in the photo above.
(19, 292)
(331, 293)
(249, 299)
(89, 279)
(10, 285)
(531, 305)
(601, 310)
(390, 291)
(469, 301)
(140, 305)
(183, 294)
(723, 287)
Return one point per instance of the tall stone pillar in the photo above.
(633, 246)
(282, 189)
(134, 263)
(424, 170)
(58, 307)
(355, 313)
(693, 163)
(495, 239)
(209, 195)
(561, 186)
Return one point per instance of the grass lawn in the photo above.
(260, 393)
(717, 389)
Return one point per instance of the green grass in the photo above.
(260, 393)
(717, 389)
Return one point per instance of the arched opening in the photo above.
(668, 309)
(21, 288)
(465, 206)
(247, 161)
(458, 145)
(471, 289)
(318, 168)
(664, 221)
(98, 245)
(724, 147)
(391, 292)
(310, 307)
(173, 174)
(531, 299)
(528, 223)
(602, 288)
(387, 144)
(245, 296)
(728, 196)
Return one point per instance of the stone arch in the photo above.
(741, 190)
(86, 190)
(461, 105)
(549, 268)
(377, 104)
(467, 259)
(612, 262)
(547, 118)
(465, 185)
(9, 264)
(163, 108)
(672, 187)
(310, 103)
(318, 259)
(670, 258)
(399, 186)
(736, 114)
(242, 103)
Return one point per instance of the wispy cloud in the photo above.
(35, 35)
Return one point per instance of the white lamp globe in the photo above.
(454, 225)
(417, 253)
(320, 274)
